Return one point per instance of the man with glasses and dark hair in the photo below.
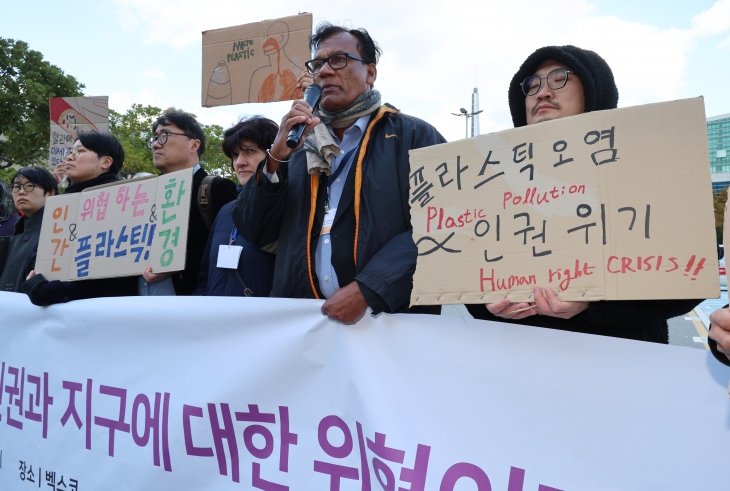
(177, 143)
(339, 203)
(29, 187)
(556, 82)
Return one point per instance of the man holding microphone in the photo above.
(336, 207)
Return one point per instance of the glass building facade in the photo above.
(718, 139)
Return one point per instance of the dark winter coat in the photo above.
(7, 226)
(44, 292)
(371, 234)
(642, 320)
(18, 253)
(255, 266)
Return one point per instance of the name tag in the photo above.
(228, 256)
(329, 219)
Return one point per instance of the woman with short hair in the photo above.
(95, 159)
(250, 272)
(30, 188)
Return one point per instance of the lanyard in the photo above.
(234, 235)
(337, 172)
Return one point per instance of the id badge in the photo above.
(329, 219)
(228, 256)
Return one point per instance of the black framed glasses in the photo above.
(556, 79)
(28, 187)
(337, 61)
(162, 138)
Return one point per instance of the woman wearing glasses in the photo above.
(95, 159)
(30, 187)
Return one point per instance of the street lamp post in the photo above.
(467, 115)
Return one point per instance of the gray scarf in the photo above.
(321, 148)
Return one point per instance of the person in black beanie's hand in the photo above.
(556, 82)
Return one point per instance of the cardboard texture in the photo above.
(608, 205)
(117, 229)
(257, 62)
(71, 116)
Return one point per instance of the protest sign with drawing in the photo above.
(608, 205)
(256, 62)
(71, 116)
(117, 229)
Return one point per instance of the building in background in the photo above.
(718, 139)
(475, 111)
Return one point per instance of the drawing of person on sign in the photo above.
(276, 81)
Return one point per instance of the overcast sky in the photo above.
(434, 53)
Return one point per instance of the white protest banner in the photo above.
(71, 116)
(117, 229)
(265, 393)
(257, 62)
(608, 205)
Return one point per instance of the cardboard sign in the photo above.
(257, 62)
(117, 229)
(608, 205)
(71, 116)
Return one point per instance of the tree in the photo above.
(132, 130)
(26, 84)
(214, 160)
(719, 200)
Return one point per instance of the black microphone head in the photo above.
(312, 94)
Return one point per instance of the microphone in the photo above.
(311, 96)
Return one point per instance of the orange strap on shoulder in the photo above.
(358, 168)
(314, 185)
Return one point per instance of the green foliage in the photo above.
(132, 130)
(215, 161)
(7, 173)
(26, 84)
(718, 201)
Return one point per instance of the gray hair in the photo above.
(7, 205)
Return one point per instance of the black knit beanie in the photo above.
(599, 88)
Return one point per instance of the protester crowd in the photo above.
(329, 219)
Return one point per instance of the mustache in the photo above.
(555, 105)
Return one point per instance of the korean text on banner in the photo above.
(272, 395)
(71, 116)
(608, 205)
(257, 62)
(117, 229)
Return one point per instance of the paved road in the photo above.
(687, 330)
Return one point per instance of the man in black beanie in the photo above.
(556, 82)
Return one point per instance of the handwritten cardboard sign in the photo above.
(608, 205)
(257, 62)
(117, 229)
(71, 116)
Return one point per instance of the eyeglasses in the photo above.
(555, 80)
(28, 187)
(338, 61)
(76, 153)
(162, 138)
